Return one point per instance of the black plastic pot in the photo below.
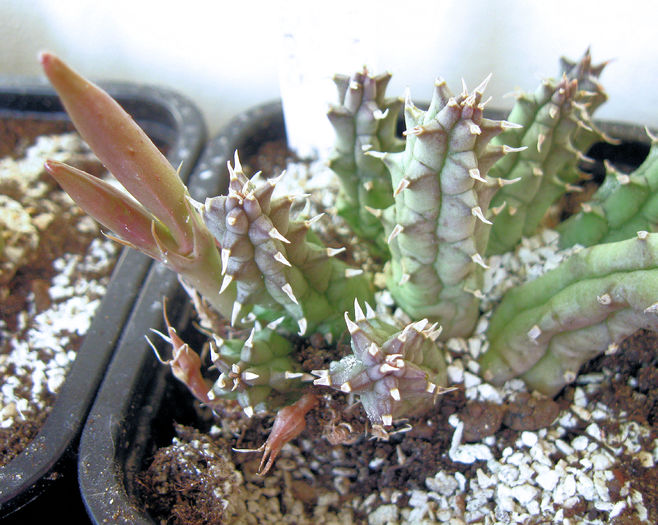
(46, 468)
(140, 400)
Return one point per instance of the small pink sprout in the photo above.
(289, 423)
(185, 364)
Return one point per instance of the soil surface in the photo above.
(183, 480)
(340, 471)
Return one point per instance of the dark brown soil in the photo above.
(412, 456)
(19, 134)
(29, 286)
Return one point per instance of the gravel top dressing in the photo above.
(55, 267)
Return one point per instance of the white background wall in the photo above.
(227, 55)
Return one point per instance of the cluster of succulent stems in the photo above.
(431, 206)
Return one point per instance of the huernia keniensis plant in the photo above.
(431, 204)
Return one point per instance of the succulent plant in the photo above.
(275, 269)
(258, 371)
(550, 121)
(623, 205)
(546, 329)
(396, 371)
(429, 204)
(364, 120)
(438, 227)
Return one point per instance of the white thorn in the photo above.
(228, 279)
(397, 230)
(370, 313)
(373, 349)
(604, 300)
(332, 252)
(374, 211)
(474, 128)
(508, 149)
(352, 272)
(351, 325)
(403, 185)
(164, 337)
(534, 333)
(249, 410)
(273, 325)
(387, 419)
(236, 161)
(506, 124)
(249, 343)
(315, 219)
(378, 114)
(540, 141)
(376, 154)
(250, 376)
(430, 329)
(483, 85)
(303, 325)
(226, 253)
(385, 368)
(474, 173)
(651, 136)
(275, 180)
(235, 368)
(482, 104)
(324, 379)
(395, 393)
(477, 259)
(419, 326)
(642, 235)
(404, 279)
(235, 312)
(293, 375)
(278, 256)
(155, 350)
(275, 234)
(287, 289)
(434, 335)
(346, 387)
(431, 387)
(368, 185)
(358, 312)
(477, 212)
